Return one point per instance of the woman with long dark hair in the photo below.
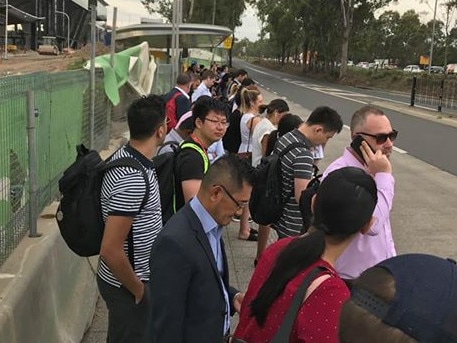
(287, 123)
(273, 111)
(343, 208)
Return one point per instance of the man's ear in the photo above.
(198, 123)
(215, 194)
(364, 230)
(161, 132)
(318, 129)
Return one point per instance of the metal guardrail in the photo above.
(435, 91)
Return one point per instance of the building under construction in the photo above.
(30, 20)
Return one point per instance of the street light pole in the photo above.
(5, 53)
(433, 38)
(68, 28)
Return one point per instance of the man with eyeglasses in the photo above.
(193, 301)
(210, 123)
(377, 245)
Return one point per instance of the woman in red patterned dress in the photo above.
(343, 208)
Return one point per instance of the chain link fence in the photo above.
(62, 107)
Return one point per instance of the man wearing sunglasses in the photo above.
(193, 301)
(378, 140)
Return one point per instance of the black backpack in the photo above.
(165, 167)
(79, 215)
(267, 203)
(305, 199)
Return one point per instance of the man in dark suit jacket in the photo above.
(192, 299)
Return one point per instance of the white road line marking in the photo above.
(337, 93)
(400, 151)
(259, 71)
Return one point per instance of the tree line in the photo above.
(330, 32)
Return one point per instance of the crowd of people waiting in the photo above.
(169, 282)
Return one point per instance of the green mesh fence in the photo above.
(62, 106)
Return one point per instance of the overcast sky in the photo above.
(130, 12)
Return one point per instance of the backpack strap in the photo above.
(171, 116)
(172, 144)
(133, 163)
(186, 145)
(283, 333)
(285, 151)
(292, 146)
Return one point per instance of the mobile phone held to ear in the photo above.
(356, 144)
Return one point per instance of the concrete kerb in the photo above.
(47, 293)
(427, 114)
(241, 253)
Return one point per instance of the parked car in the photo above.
(391, 67)
(362, 65)
(434, 69)
(412, 68)
(451, 68)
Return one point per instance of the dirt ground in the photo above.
(31, 61)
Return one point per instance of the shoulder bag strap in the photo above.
(250, 133)
(285, 151)
(194, 146)
(283, 333)
(133, 163)
(292, 146)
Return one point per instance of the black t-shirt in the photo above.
(189, 166)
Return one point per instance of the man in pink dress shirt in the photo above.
(377, 245)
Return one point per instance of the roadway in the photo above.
(423, 215)
(431, 141)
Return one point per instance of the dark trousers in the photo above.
(127, 322)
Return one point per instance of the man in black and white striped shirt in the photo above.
(122, 278)
(297, 164)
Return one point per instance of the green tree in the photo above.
(224, 12)
(450, 8)
(324, 26)
(411, 36)
(347, 8)
(367, 41)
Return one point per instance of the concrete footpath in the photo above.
(49, 295)
(423, 217)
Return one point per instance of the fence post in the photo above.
(440, 101)
(93, 15)
(33, 188)
(413, 91)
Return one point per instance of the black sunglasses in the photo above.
(381, 138)
(238, 204)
